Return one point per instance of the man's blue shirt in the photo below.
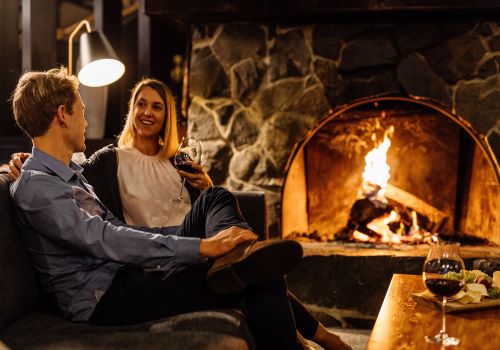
(76, 244)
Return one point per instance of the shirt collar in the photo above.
(63, 171)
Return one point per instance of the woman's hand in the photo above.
(198, 179)
(15, 164)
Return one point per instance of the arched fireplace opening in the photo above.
(443, 177)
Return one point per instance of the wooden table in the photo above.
(402, 324)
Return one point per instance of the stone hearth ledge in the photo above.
(344, 284)
(401, 250)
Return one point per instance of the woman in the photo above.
(136, 179)
(147, 143)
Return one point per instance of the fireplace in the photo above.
(440, 171)
(264, 97)
(270, 82)
(439, 165)
(257, 91)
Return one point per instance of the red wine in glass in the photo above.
(188, 153)
(444, 287)
(183, 161)
(442, 259)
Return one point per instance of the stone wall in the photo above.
(257, 89)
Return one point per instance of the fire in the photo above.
(359, 236)
(381, 226)
(385, 213)
(377, 171)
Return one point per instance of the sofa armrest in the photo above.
(253, 207)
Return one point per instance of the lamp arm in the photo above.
(70, 43)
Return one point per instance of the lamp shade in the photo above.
(99, 62)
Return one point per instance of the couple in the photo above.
(133, 179)
(105, 272)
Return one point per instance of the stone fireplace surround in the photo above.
(256, 89)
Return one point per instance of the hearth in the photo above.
(261, 90)
(442, 181)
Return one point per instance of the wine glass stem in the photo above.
(182, 189)
(443, 316)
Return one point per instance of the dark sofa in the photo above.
(28, 320)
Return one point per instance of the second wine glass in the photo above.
(188, 152)
(442, 260)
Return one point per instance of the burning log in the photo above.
(396, 218)
(433, 218)
(387, 213)
(363, 212)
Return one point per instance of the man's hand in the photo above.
(198, 179)
(225, 241)
(15, 164)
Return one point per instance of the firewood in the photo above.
(400, 198)
(365, 210)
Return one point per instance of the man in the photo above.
(105, 272)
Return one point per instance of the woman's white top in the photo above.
(147, 186)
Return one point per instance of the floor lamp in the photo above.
(99, 62)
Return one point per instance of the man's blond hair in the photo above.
(37, 97)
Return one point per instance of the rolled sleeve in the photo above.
(190, 250)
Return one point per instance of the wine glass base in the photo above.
(443, 339)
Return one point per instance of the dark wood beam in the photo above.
(86, 4)
(144, 42)
(39, 34)
(108, 19)
(159, 41)
(10, 63)
(230, 10)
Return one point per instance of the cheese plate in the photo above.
(425, 299)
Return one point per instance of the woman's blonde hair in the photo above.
(168, 138)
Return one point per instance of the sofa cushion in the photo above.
(223, 329)
(19, 291)
(253, 206)
(132, 340)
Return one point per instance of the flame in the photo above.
(389, 227)
(380, 225)
(414, 220)
(360, 236)
(377, 172)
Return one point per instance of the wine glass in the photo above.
(188, 152)
(441, 259)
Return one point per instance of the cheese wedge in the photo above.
(496, 279)
(476, 288)
(469, 299)
(457, 296)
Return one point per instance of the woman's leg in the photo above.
(307, 325)
(214, 210)
(329, 340)
(312, 329)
